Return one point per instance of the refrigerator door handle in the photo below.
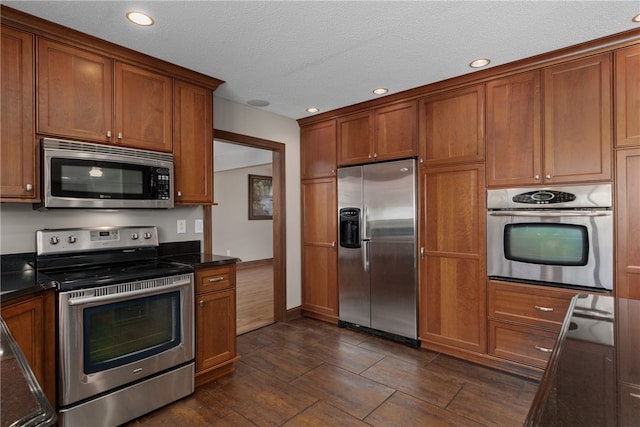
(365, 214)
(365, 255)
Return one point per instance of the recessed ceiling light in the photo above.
(140, 18)
(258, 102)
(636, 18)
(478, 63)
(312, 110)
(380, 91)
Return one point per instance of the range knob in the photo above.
(147, 235)
(54, 240)
(134, 236)
(72, 239)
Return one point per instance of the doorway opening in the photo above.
(259, 269)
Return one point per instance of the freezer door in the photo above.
(390, 201)
(394, 287)
(353, 281)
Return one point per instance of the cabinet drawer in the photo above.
(629, 404)
(533, 305)
(521, 343)
(215, 278)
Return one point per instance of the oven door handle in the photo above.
(128, 294)
(548, 214)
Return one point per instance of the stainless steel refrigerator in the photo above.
(377, 263)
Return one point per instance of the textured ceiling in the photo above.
(331, 54)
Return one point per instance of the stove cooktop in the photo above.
(71, 278)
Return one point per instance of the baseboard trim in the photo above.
(293, 314)
(255, 263)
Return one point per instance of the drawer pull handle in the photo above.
(216, 279)
(545, 309)
(543, 349)
(636, 395)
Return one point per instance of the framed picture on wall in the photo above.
(260, 197)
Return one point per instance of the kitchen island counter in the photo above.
(593, 375)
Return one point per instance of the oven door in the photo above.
(116, 335)
(572, 248)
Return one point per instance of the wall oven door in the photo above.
(119, 334)
(560, 247)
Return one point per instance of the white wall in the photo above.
(246, 239)
(243, 119)
(19, 222)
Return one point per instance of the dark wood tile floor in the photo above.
(310, 373)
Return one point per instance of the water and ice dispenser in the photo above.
(350, 227)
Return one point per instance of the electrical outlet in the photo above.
(181, 226)
(228, 252)
(198, 226)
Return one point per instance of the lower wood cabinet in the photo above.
(215, 307)
(524, 320)
(31, 320)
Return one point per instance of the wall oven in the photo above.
(561, 236)
(96, 176)
(125, 323)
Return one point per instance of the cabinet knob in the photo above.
(29, 187)
(108, 134)
(179, 193)
(370, 155)
(333, 171)
(548, 176)
(201, 303)
(333, 244)
(536, 177)
(119, 135)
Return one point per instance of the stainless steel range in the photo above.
(125, 323)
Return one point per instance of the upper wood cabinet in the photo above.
(193, 144)
(577, 121)
(318, 150)
(627, 89)
(451, 126)
(88, 96)
(18, 153)
(386, 133)
(514, 142)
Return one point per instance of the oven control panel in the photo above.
(69, 240)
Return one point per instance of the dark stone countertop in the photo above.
(19, 277)
(593, 375)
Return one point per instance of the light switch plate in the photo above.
(198, 226)
(181, 226)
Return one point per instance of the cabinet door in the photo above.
(451, 126)
(18, 168)
(75, 92)
(577, 121)
(318, 150)
(32, 323)
(319, 249)
(355, 139)
(193, 144)
(452, 264)
(627, 223)
(215, 328)
(627, 84)
(396, 131)
(513, 130)
(143, 108)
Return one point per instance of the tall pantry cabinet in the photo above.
(627, 112)
(452, 222)
(319, 221)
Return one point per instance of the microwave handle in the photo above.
(551, 214)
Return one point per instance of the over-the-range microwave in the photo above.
(94, 176)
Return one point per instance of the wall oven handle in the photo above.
(114, 297)
(550, 214)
